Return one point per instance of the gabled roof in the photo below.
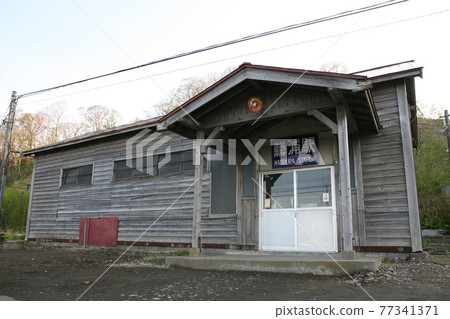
(248, 71)
(354, 82)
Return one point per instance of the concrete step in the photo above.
(316, 265)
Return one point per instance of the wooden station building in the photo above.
(310, 161)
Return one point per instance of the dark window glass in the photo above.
(178, 162)
(172, 166)
(279, 190)
(314, 188)
(77, 176)
(122, 170)
(223, 187)
(188, 161)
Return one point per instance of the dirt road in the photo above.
(65, 274)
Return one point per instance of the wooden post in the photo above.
(410, 174)
(30, 201)
(359, 191)
(447, 129)
(344, 178)
(7, 144)
(197, 214)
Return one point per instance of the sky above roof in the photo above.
(47, 43)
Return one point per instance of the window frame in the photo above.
(133, 170)
(63, 177)
(157, 172)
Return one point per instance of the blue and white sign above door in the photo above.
(295, 151)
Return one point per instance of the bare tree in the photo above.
(334, 66)
(188, 88)
(55, 118)
(31, 128)
(99, 117)
(429, 111)
(72, 129)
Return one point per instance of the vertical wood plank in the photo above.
(411, 186)
(198, 178)
(30, 201)
(257, 208)
(248, 220)
(239, 192)
(338, 193)
(344, 178)
(355, 219)
(359, 190)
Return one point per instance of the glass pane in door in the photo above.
(314, 188)
(278, 215)
(278, 191)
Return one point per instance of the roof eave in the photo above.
(91, 137)
(397, 75)
(247, 71)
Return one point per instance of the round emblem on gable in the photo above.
(255, 104)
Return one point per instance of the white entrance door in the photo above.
(298, 210)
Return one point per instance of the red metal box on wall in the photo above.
(100, 231)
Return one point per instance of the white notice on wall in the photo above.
(267, 203)
(325, 197)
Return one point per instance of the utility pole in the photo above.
(447, 130)
(7, 145)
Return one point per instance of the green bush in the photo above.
(15, 208)
(432, 172)
(10, 236)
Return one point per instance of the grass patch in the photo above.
(162, 256)
(15, 209)
(444, 247)
(426, 242)
(387, 260)
(181, 253)
(12, 236)
(432, 167)
(156, 257)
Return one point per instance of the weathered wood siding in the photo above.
(385, 197)
(138, 202)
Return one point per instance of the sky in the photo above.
(50, 42)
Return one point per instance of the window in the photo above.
(121, 170)
(77, 176)
(223, 187)
(279, 190)
(179, 162)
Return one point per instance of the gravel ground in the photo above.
(406, 271)
(66, 273)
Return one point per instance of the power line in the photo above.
(240, 56)
(303, 73)
(223, 44)
(117, 44)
